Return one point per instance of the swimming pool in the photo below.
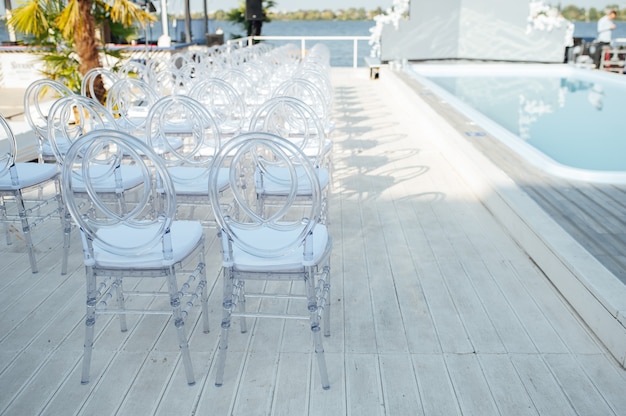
(568, 121)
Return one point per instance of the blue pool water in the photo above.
(566, 120)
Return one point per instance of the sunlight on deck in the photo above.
(435, 310)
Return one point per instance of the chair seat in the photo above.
(312, 151)
(277, 182)
(104, 181)
(194, 181)
(46, 148)
(269, 239)
(29, 174)
(185, 237)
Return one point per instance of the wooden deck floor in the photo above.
(435, 309)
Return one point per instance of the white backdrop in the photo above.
(471, 29)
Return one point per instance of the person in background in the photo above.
(605, 30)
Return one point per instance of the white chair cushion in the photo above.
(270, 238)
(185, 236)
(194, 181)
(28, 174)
(62, 143)
(276, 182)
(131, 177)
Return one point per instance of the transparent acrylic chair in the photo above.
(312, 95)
(38, 98)
(96, 82)
(291, 118)
(224, 103)
(74, 116)
(244, 86)
(287, 244)
(129, 100)
(189, 158)
(140, 240)
(18, 180)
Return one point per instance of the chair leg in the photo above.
(88, 347)
(314, 318)
(90, 321)
(241, 301)
(121, 302)
(184, 351)
(326, 300)
(5, 221)
(26, 231)
(227, 307)
(66, 225)
(204, 300)
(179, 323)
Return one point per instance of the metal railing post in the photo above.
(355, 42)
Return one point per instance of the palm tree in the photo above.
(66, 30)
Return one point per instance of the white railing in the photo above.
(303, 39)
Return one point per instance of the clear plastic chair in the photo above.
(96, 82)
(20, 179)
(189, 163)
(139, 240)
(172, 81)
(38, 98)
(311, 94)
(135, 69)
(244, 86)
(287, 244)
(74, 116)
(294, 120)
(129, 100)
(224, 103)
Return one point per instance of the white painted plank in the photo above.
(470, 386)
(400, 391)
(542, 387)
(580, 391)
(608, 378)
(507, 389)
(363, 394)
(436, 391)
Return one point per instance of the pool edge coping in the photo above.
(593, 291)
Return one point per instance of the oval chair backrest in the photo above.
(129, 100)
(307, 91)
(224, 103)
(251, 159)
(96, 82)
(183, 118)
(8, 147)
(72, 117)
(293, 119)
(38, 98)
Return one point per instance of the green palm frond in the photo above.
(69, 19)
(31, 18)
(127, 13)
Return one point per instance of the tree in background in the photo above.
(238, 16)
(66, 33)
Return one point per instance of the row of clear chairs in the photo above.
(182, 129)
(30, 194)
(142, 237)
(129, 166)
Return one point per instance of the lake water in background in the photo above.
(341, 51)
